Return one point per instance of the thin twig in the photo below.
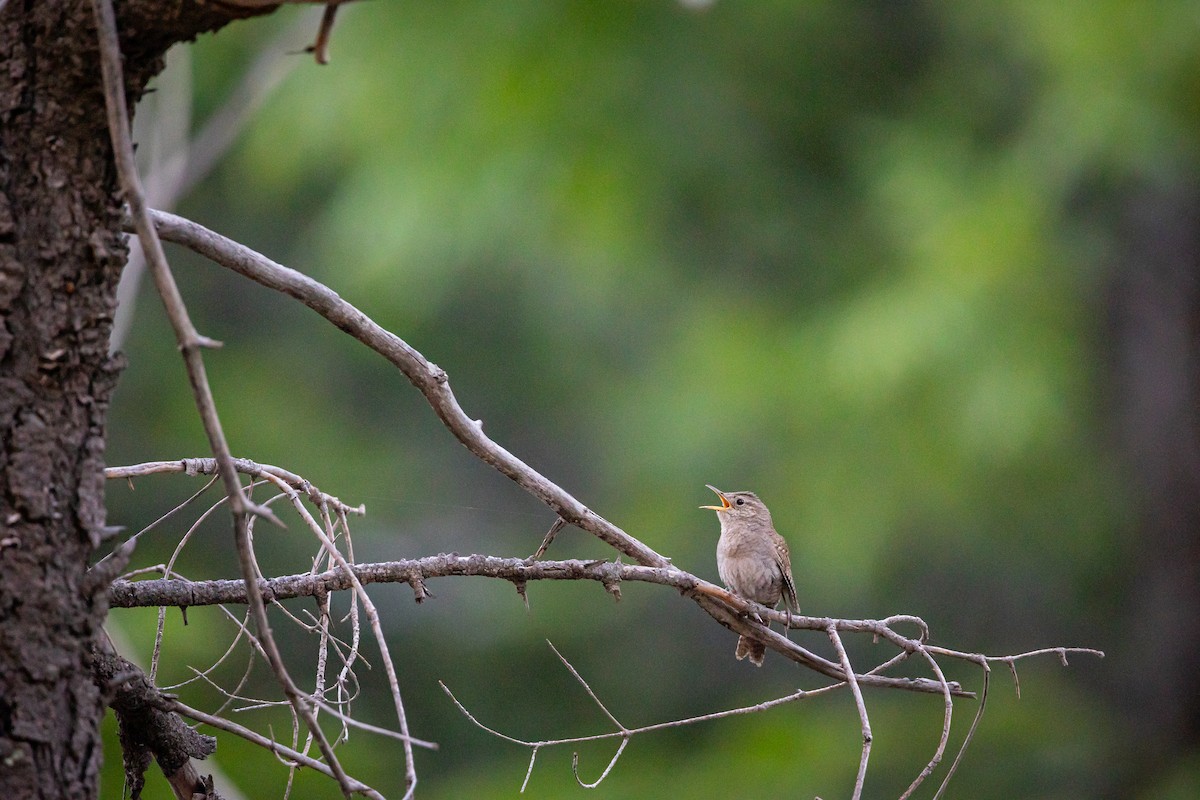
(622, 732)
(410, 771)
(347, 670)
(320, 48)
(836, 638)
(732, 712)
(532, 756)
(586, 688)
(168, 572)
(983, 696)
(375, 729)
(558, 525)
(163, 518)
(612, 763)
(208, 466)
(948, 705)
(281, 751)
(628, 733)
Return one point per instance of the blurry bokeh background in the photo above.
(924, 276)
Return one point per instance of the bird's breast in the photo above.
(749, 569)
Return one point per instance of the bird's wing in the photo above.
(784, 562)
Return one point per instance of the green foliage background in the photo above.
(831, 252)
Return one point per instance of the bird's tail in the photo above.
(753, 648)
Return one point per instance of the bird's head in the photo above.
(739, 506)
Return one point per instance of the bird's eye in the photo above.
(741, 501)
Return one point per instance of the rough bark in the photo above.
(61, 252)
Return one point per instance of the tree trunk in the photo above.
(61, 253)
(1155, 348)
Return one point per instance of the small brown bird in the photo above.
(753, 560)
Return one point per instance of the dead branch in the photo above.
(208, 466)
(333, 524)
(183, 593)
(427, 377)
(625, 734)
(148, 729)
(360, 594)
(290, 754)
(852, 682)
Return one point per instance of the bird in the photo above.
(752, 560)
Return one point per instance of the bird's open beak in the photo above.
(724, 501)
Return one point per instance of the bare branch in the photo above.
(288, 754)
(586, 688)
(946, 719)
(320, 48)
(360, 593)
(983, 696)
(612, 762)
(862, 710)
(161, 519)
(427, 377)
(559, 524)
(128, 594)
(623, 733)
(208, 466)
(125, 594)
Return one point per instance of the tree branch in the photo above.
(626, 734)
(147, 727)
(852, 681)
(184, 594)
(220, 723)
(427, 377)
